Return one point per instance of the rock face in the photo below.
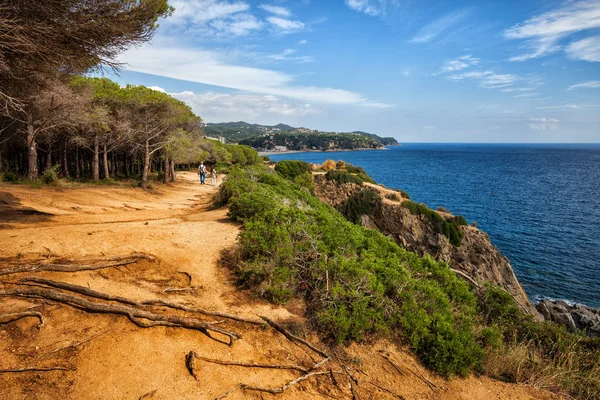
(573, 316)
(476, 257)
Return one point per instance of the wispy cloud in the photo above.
(458, 64)
(586, 85)
(369, 7)
(585, 49)
(487, 79)
(523, 95)
(432, 30)
(288, 55)
(543, 124)
(544, 32)
(220, 107)
(213, 18)
(511, 90)
(571, 106)
(213, 68)
(277, 10)
(302, 42)
(285, 25)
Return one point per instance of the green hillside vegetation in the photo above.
(243, 131)
(313, 141)
(359, 284)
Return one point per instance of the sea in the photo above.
(539, 203)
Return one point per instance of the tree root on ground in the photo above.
(307, 373)
(75, 267)
(164, 303)
(136, 315)
(34, 369)
(6, 318)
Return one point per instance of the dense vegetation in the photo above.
(357, 283)
(312, 141)
(238, 131)
(56, 123)
(448, 227)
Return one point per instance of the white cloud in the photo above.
(288, 55)
(458, 64)
(585, 49)
(302, 42)
(523, 95)
(488, 79)
(369, 7)
(510, 90)
(219, 107)
(430, 31)
(571, 106)
(543, 32)
(543, 124)
(286, 25)
(212, 68)
(281, 11)
(212, 18)
(586, 85)
(157, 88)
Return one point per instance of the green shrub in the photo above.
(449, 228)
(51, 174)
(305, 180)
(392, 196)
(361, 203)
(9, 177)
(343, 177)
(290, 169)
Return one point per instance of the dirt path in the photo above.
(111, 358)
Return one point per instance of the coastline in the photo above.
(268, 153)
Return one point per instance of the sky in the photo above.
(420, 71)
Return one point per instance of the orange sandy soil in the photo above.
(175, 224)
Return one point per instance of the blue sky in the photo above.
(421, 71)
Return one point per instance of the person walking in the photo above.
(213, 176)
(202, 173)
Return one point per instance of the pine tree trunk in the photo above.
(172, 170)
(32, 156)
(77, 166)
(65, 160)
(146, 164)
(96, 161)
(48, 163)
(126, 164)
(105, 161)
(166, 170)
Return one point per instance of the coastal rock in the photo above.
(573, 316)
(476, 257)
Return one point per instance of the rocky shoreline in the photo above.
(573, 316)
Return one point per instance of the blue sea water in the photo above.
(540, 204)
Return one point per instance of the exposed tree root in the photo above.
(189, 364)
(295, 338)
(105, 296)
(6, 318)
(148, 395)
(95, 264)
(276, 390)
(399, 396)
(73, 345)
(135, 314)
(251, 364)
(34, 369)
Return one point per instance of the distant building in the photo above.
(221, 139)
(280, 148)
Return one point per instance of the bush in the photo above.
(449, 228)
(9, 177)
(362, 203)
(51, 174)
(290, 169)
(392, 196)
(341, 164)
(306, 180)
(342, 177)
(329, 165)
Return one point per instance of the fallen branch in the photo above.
(105, 296)
(147, 395)
(6, 318)
(397, 368)
(251, 364)
(189, 364)
(34, 369)
(134, 314)
(466, 277)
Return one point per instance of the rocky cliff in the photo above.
(476, 257)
